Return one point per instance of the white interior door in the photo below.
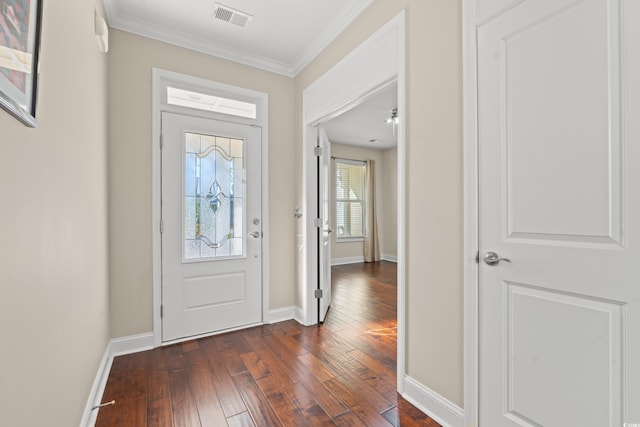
(212, 233)
(559, 196)
(324, 178)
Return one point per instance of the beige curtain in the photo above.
(371, 245)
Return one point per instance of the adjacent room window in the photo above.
(349, 199)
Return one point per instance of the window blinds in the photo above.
(349, 199)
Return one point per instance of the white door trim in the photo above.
(159, 105)
(470, 150)
(377, 62)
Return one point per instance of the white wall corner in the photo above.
(348, 260)
(431, 403)
(390, 258)
(280, 315)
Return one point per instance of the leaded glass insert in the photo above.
(213, 197)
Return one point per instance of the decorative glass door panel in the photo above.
(214, 211)
(211, 204)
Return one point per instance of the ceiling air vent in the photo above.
(233, 16)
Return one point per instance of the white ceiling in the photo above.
(282, 37)
(366, 122)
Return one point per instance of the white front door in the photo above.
(212, 232)
(324, 180)
(559, 197)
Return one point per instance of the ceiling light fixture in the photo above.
(394, 116)
(393, 120)
(230, 15)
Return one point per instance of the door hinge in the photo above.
(317, 293)
(477, 257)
(317, 222)
(161, 226)
(161, 140)
(317, 151)
(161, 310)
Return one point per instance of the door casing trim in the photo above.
(330, 95)
(471, 218)
(160, 78)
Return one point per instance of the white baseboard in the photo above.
(300, 317)
(431, 403)
(359, 259)
(390, 258)
(116, 347)
(131, 344)
(349, 260)
(97, 390)
(280, 315)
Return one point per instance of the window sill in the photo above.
(349, 239)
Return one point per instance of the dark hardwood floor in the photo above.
(342, 373)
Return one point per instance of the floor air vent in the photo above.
(232, 16)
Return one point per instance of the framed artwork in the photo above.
(20, 23)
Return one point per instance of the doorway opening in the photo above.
(357, 177)
(336, 92)
(363, 222)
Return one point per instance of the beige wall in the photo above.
(434, 180)
(131, 61)
(54, 300)
(356, 249)
(53, 230)
(390, 197)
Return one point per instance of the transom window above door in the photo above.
(206, 102)
(349, 200)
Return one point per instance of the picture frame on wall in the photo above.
(20, 28)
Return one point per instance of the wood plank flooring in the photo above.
(342, 373)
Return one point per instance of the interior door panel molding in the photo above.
(207, 291)
(536, 309)
(486, 10)
(523, 141)
(567, 240)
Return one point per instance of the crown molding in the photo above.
(346, 16)
(142, 28)
(198, 44)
